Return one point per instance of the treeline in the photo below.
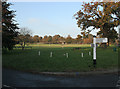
(56, 39)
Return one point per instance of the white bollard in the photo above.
(67, 55)
(39, 53)
(94, 49)
(82, 54)
(51, 54)
(89, 53)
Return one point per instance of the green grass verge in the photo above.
(29, 60)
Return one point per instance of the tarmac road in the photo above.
(22, 79)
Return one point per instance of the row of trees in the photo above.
(25, 37)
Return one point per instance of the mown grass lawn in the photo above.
(29, 60)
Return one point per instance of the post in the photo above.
(67, 55)
(51, 54)
(82, 54)
(89, 53)
(119, 50)
(94, 51)
(39, 53)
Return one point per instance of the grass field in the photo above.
(29, 60)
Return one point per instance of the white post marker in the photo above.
(90, 53)
(94, 51)
(39, 53)
(51, 54)
(82, 54)
(67, 55)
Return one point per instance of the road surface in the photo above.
(22, 79)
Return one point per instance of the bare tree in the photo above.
(24, 36)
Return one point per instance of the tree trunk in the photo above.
(23, 46)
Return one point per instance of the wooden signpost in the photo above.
(97, 40)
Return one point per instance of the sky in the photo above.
(48, 18)
(52, 0)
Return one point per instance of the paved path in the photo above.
(21, 79)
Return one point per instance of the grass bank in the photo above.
(29, 60)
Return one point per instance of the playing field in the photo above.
(39, 58)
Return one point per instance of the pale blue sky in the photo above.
(48, 18)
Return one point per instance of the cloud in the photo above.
(33, 20)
